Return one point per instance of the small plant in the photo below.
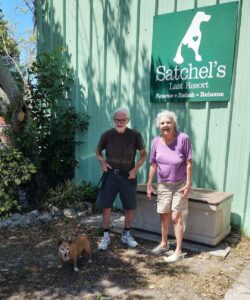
(71, 195)
(16, 172)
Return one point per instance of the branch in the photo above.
(25, 83)
(28, 4)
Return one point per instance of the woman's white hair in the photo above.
(166, 114)
(123, 110)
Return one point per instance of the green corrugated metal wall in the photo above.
(109, 47)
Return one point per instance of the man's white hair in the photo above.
(123, 110)
(166, 114)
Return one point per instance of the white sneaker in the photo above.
(129, 240)
(105, 241)
(160, 249)
(174, 257)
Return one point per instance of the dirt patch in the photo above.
(28, 268)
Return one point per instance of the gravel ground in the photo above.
(28, 268)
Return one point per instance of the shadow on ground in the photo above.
(28, 268)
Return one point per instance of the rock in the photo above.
(36, 217)
(69, 213)
(56, 212)
(15, 217)
(33, 216)
(45, 218)
(5, 224)
(24, 221)
(81, 214)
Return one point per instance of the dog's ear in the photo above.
(69, 239)
(60, 241)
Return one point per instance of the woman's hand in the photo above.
(150, 190)
(185, 190)
(132, 174)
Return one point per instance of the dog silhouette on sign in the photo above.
(192, 38)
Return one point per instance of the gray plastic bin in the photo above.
(207, 220)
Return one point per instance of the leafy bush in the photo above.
(71, 195)
(8, 204)
(54, 118)
(57, 149)
(16, 172)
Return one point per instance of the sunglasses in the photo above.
(120, 120)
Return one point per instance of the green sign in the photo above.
(193, 54)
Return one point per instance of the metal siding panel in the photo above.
(93, 71)
(83, 42)
(40, 27)
(129, 51)
(46, 25)
(184, 5)
(96, 95)
(198, 135)
(216, 145)
(166, 6)
(228, 1)
(201, 3)
(142, 103)
(56, 30)
(161, 7)
(71, 32)
(113, 62)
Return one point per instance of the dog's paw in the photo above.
(90, 260)
(76, 269)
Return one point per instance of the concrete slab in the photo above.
(117, 224)
(241, 288)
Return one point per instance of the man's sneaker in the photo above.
(105, 241)
(129, 240)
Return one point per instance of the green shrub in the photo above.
(55, 120)
(16, 172)
(71, 195)
(7, 203)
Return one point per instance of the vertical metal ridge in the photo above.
(137, 43)
(77, 55)
(64, 24)
(246, 193)
(51, 21)
(231, 102)
(201, 181)
(152, 117)
(105, 20)
(156, 7)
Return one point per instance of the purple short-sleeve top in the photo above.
(171, 159)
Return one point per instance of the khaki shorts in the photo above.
(169, 198)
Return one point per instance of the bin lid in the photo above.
(208, 196)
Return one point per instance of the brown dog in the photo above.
(70, 250)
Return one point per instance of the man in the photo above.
(120, 144)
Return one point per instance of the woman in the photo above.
(171, 158)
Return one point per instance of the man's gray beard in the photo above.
(120, 130)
